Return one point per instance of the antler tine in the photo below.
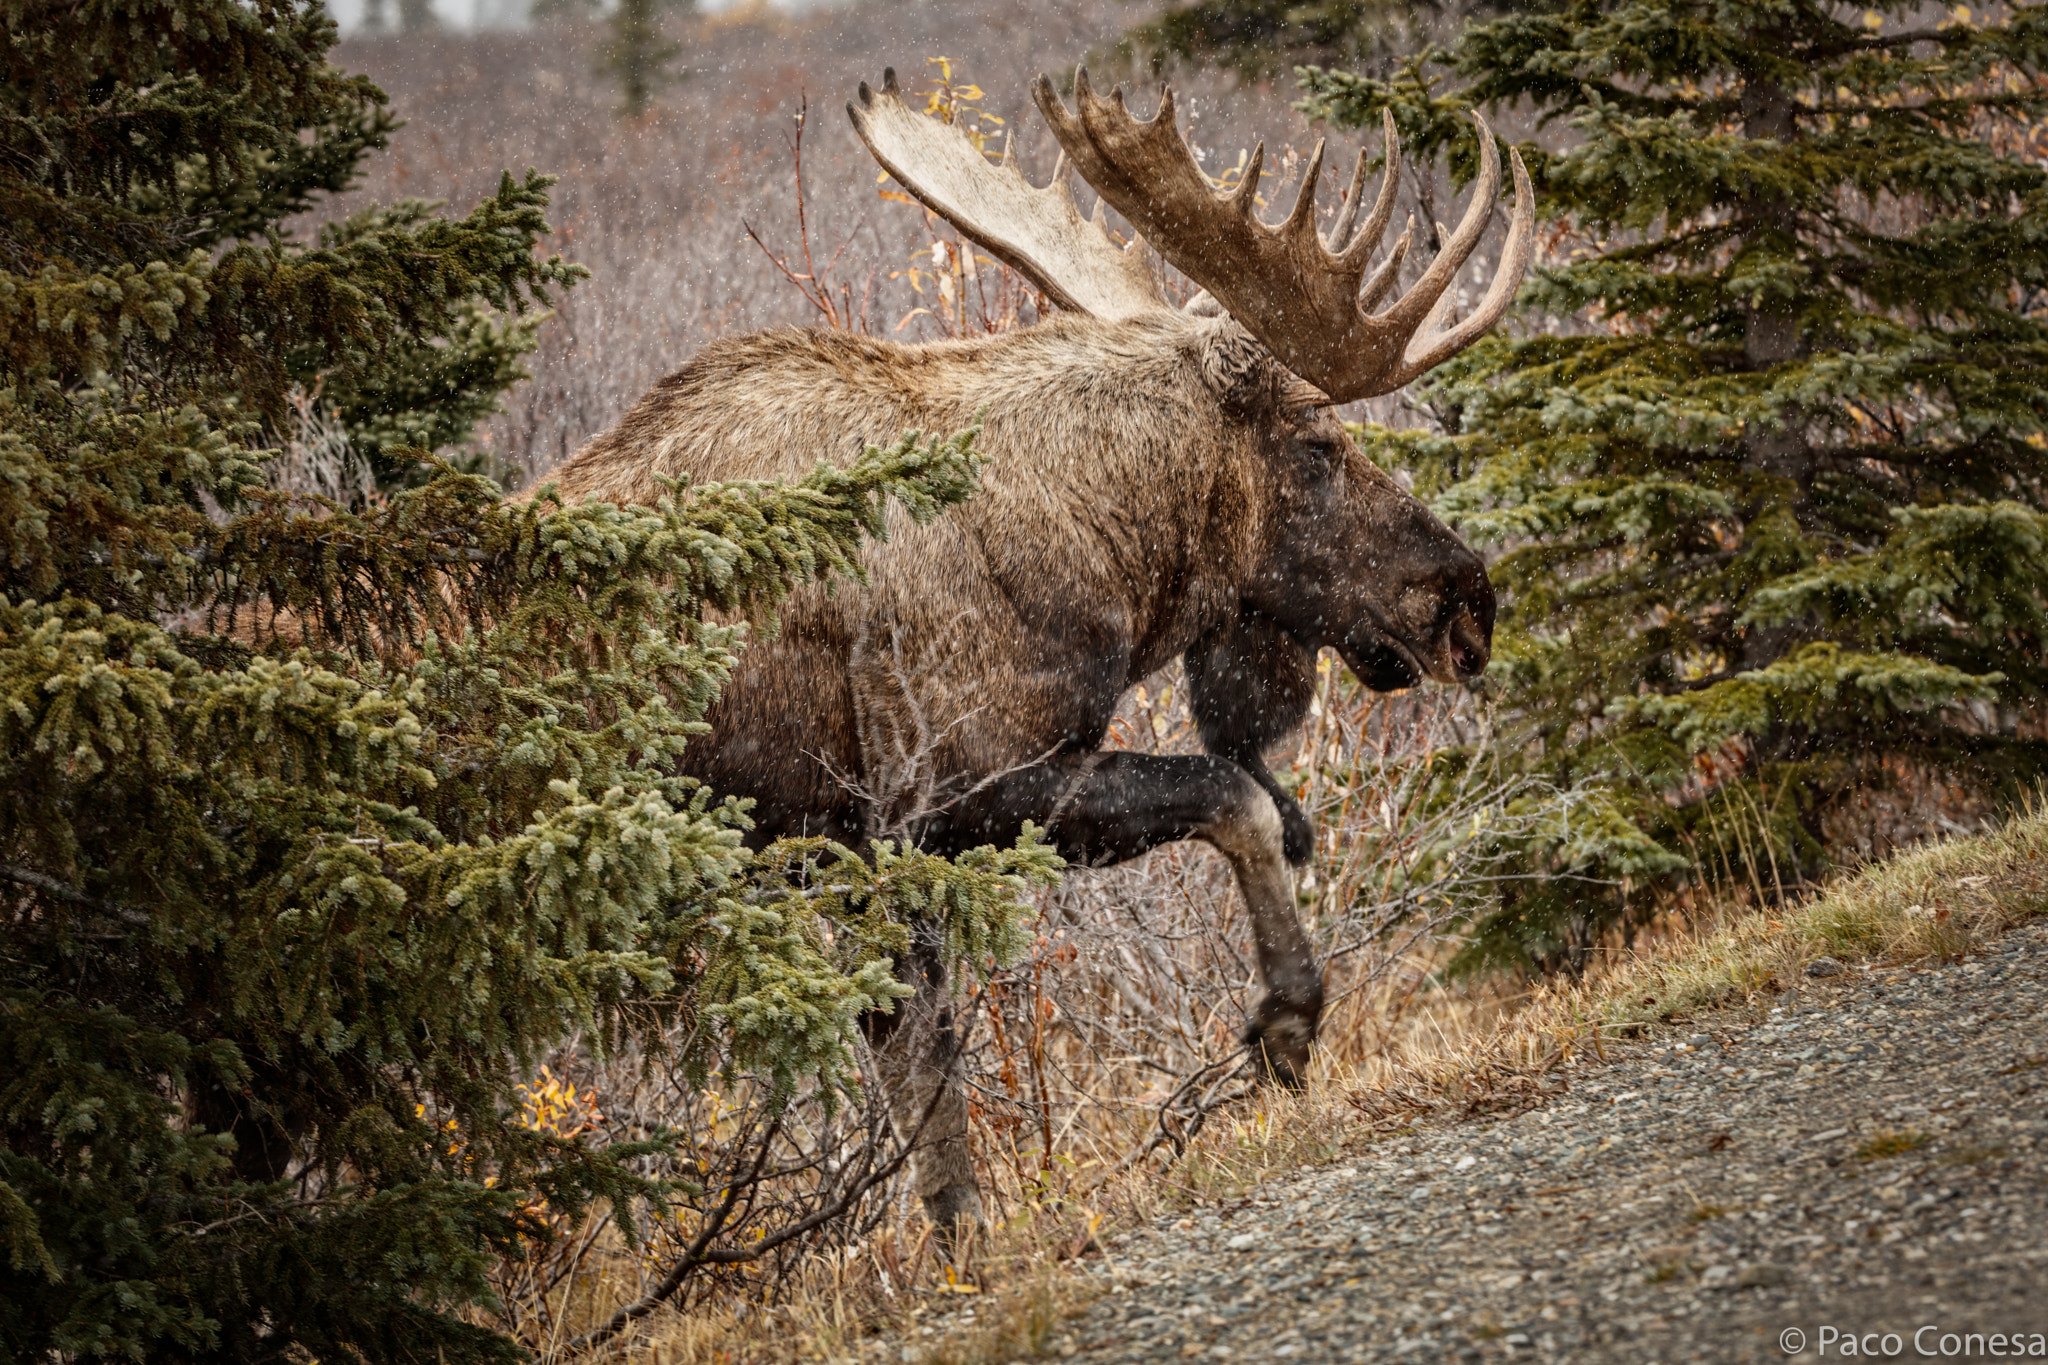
(1245, 197)
(1121, 156)
(1412, 307)
(1383, 279)
(1514, 263)
(1340, 231)
(1360, 248)
(1039, 232)
(1302, 221)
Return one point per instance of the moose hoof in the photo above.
(955, 1211)
(1297, 836)
(1282, 1042)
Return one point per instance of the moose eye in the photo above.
(1322, 453)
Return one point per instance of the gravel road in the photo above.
(1866, 1158)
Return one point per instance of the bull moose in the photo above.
(1162, 482)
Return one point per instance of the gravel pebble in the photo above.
(1865, 1157)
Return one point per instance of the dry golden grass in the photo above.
(1936, 902)
(1010, 1292)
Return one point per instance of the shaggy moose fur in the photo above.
(1156, 487)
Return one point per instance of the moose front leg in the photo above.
(1103, 808)
(1249, 685)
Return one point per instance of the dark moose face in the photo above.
(1357, 562)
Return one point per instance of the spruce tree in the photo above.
(1769, 511)
(325, 822)
(1260, 38)
(636, 55)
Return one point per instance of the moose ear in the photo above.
(1243, 374)
(1234, 366)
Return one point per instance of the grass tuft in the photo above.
(1892, 1142)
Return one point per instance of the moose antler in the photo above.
(1037, 231)
(1306, 298)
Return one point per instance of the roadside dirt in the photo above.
(1863, 1158)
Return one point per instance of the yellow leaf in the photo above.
(1872, 19)
(896, 197)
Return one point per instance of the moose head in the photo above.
(1288, 324)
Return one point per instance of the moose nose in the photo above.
(1467, 649)
(1468, 644)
